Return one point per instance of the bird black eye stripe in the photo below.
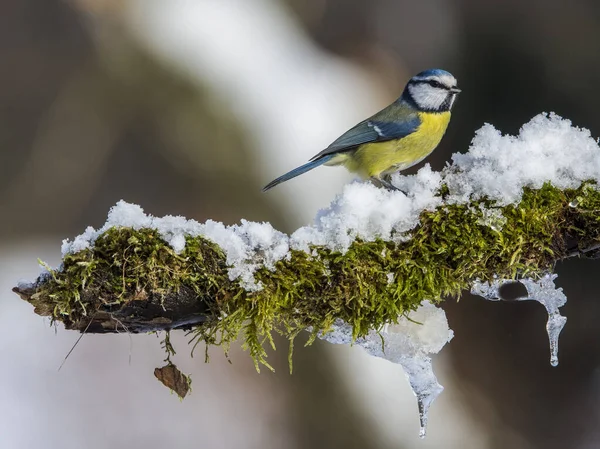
(432, 83)
(437, 84)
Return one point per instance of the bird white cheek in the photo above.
(427, 97)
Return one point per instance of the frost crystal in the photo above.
(409, 344)
(543, 291)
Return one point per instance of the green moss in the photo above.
(127, 265)
(444, 254)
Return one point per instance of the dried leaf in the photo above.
(174, 379)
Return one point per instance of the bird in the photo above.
(395, 138)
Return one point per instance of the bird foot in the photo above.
(387, 184)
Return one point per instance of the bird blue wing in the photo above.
(375, 129)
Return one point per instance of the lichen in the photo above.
(369, 285)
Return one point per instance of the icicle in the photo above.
(424, 384)
(543, 291)
(407, 343)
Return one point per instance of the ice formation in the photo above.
(543, 291)
(409, 344)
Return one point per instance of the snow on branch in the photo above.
(368, 270)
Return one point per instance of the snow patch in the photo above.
(547, 149)
(247, 246)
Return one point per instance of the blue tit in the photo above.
(395, 138)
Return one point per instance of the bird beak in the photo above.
(455, 90)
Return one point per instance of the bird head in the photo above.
(431, 91)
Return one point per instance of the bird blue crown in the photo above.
(432, 72)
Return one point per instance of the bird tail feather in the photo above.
(298, 171)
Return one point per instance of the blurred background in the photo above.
(189, 107)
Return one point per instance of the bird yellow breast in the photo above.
(381, 158)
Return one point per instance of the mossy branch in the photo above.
(133, 281)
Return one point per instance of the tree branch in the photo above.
(133, 280)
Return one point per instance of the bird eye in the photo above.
(434, 83)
